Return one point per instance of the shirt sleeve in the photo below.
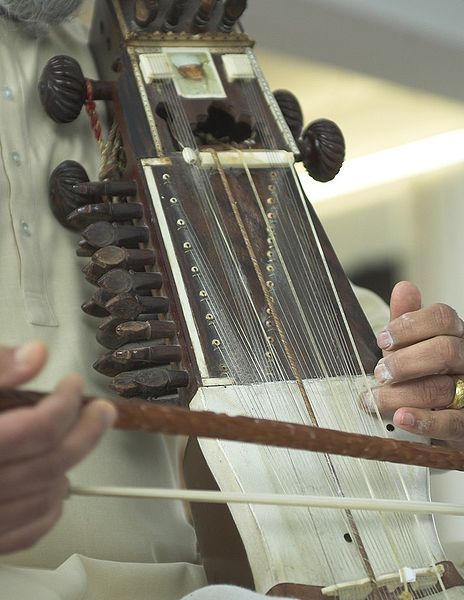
(375, 309)
(226, 592)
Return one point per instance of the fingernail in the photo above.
(109, 413)
(381, 372)
(407, 419)
(384, 339)
(24, 354)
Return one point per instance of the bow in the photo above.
(138, 415)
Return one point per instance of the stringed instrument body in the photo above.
(219, 290)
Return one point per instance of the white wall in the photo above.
(415, 223)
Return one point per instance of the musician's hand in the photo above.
(39, 445)
(423, 352)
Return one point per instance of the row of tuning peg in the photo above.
(135, 326)
(177, 15)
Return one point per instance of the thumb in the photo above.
(19, 365)
(405, 297)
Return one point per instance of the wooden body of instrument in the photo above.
(221, 299)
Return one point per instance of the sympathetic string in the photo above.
(239, 325)
(350, 371)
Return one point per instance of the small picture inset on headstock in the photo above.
(195, 74)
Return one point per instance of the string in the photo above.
(287, 348)
(250, 323)
(389, 535)
(247, 91)
(203, 188)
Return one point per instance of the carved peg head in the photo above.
(291, 111)
(62, 191)
(322, 148)
(62, 89)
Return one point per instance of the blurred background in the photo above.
(391, 75)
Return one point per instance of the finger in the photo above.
(28, 535)
(413, 327)
(405, 298)
(31, 476)
(440, 355)
(28, 432)
(445, 425)
(31, 431)
(24, 511)
(36, 475)
(433, 392)
(18, 365)
(94, 420)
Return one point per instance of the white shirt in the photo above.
(41, 294)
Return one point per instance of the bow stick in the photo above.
(293, 500)
(137, 415)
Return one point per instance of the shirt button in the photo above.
(7, 93)
(25, 229)
(16, 158)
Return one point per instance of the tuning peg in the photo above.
(96, 305)
(113, 257)
(126, 306)
(106, 365)
(90, 307)
(63, 195)
(175, 13)
(135, 356)
(145, 12)
(63, 89)
(204, 13)
(106, 333)
(322, 149)
(98, 189)
(103, 234)
(154, 329)
(70, 191)
(130, 306)
(291, 111)
(84, 250)
(115, 332)
(93, 309)
(233, 10)
(120, 281)
(105, 211)
(149, 383)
